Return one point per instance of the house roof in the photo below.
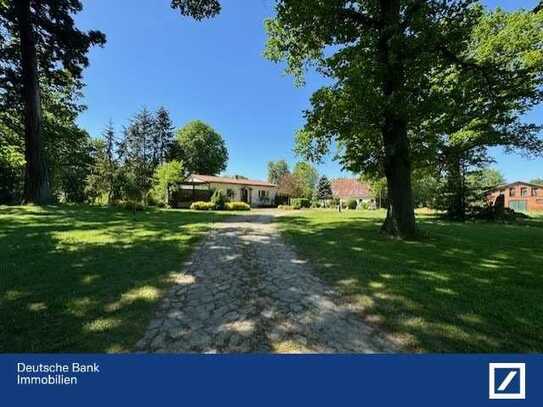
(350, 188)
(208, 179)
(503, 186)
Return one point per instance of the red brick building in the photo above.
(520, 196)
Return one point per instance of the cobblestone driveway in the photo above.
(245, 290)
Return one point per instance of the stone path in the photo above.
(245, 290)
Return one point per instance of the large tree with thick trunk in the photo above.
(382, 57)
(40, 42)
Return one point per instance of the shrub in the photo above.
(202, 206)
(286, 207)
(299, 203)
(218, 199)
(238, 206)
(352, 204)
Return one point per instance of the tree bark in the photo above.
(36, 187)
(400, 221)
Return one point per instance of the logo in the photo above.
(507, 381)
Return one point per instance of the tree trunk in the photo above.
(456, 208)
(36, 188)
(400, 220)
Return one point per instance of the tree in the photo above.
(537, 181)
(290, 186)
(307, 177)
(324, 189)
(164, 135)
(382, 56)
(137, 154)
(41, 44)
(203, 150)
(277, 170)
(166, 177)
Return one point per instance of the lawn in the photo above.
(473, 287)
(76, 279)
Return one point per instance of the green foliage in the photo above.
(166, 178)
(218, 199)
(277, 170)
(324, 189)
(537, 181)
(307, 177)
(202, 206)
(238, 206)
(201, 149)
(299, 203)
(197, 9)
(287, 208)
(352, 204)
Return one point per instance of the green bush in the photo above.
(286, 207)
(238, 206)
(218, 199)
(299, 203)
(202, 206)
(352, 204)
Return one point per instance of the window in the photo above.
(523, 192)
(263, 194)
(512, 191)
(502, 191)
(535, 191)
(230, 193)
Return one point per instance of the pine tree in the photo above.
(164, 134)
(110, 164)
(324, 188)
(40, 45)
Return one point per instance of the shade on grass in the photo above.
(473, 287)
(78, 279)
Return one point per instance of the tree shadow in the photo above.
(244, 290)
(80, 279)
(464, 288)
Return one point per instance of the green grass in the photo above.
(76, 279)
(473, 287)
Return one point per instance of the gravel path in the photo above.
(245, 290)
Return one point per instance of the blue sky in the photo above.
(214, 71)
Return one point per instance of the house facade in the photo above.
(519, 196)
(253, 192)
(347, 189)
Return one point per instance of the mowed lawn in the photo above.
(474, 287)
(80, 279)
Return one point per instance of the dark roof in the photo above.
(206, 179)
(350, 188)
(503, 186)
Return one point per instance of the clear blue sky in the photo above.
(213, 71)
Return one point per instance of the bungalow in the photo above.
(352, 189)
(519, 196)
(255, 193)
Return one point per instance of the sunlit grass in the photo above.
(474, 287)
(79, 279)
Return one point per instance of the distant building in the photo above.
(255, 193)
(347, 189)
(519, 196)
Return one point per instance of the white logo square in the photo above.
(514, 372)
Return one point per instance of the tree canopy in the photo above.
(202, 150)
(400, 67)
